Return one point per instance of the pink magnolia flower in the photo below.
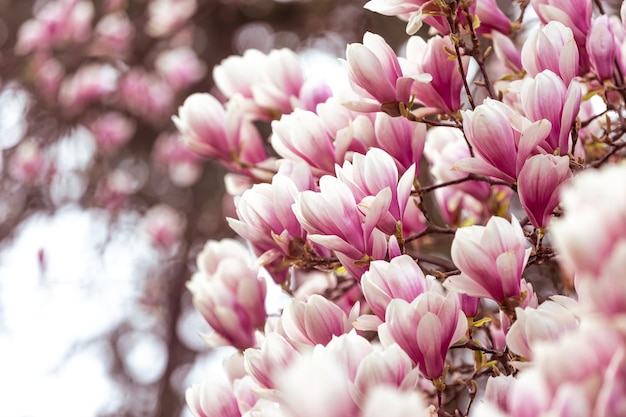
(277, 84)
(547, 97)
(368, 176)
(375, 72)
(539, 184)
(170, 153)
(416, 12)
(594, 224)
(56, 23)
(551, 47)
(166, 16)
(445, 147)
(390, 367)
(497, 391)
(146, 95)
(324, 391)
(501, 138)
(332, 219)
(441, 94)
(601, 45)
(426, 328)
(469, 202)
(548, 322)
(402, 139)
(215, 132)
(491, 260)
(300, 136)
(554, 387)
(385, 281)
(491, 18)
(574, 14)
(506, 51)
(280, 83)
(389, 402)
(180, 67)
(28, 162)
(233, 76)
(605, 292)
(267, 362)
(316, 321)
(228, 292)
(266, 220)
(112, 130)
(90, 83)
(212, 398)
(113, 34)
(164, 225)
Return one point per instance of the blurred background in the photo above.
(102, 210)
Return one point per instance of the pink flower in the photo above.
(114, 33)
(316, 321)
(442, 94)
(546, 323)
(601, 45)
(445, 147)
(552, 47)
(300, 136)
(215, 132)
(547, 97)
(502, 140)
(266, 220)
(28, 162)
(146, 95)
(539, 185)
(491, 18)
(166, 16)
(385, 281)
(164, 225)
(574, 14)
(180, 67)
(402, 139)
(426, 328)
(266, 363)
(212, 398)
(90, 83)
(332, 219)
(368, 176)
(497, 390)
(228, 292)
(324, 391)
(183, 166)
(594, 225)
(56, 23)
(232, 76)
(389, 402)
(112, 130)
(276, 85)
(280, 81)
(553, 386)
(506, 51)
(375, 72)
(491, 260)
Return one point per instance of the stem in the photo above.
(475, 52)
(455, 38)
(430, 229)
(470, 177)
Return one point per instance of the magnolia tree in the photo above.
(496, 136)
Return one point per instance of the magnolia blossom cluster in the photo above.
(451, 236)
(87, 65)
